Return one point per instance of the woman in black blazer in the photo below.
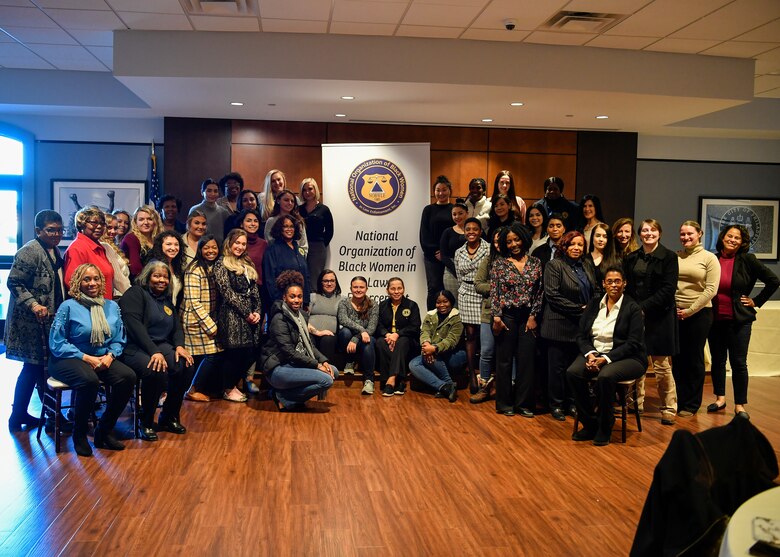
(612, 349)
(155, 348)
(651, 275)
(568, 287)
(398, 335)
(734, 312)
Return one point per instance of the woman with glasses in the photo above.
(86, 248)
(36, 288)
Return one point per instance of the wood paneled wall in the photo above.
(196, 149)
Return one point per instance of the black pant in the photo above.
(174, 381)
(434, 279)
(235, 364)
(688, 365)
(31, 377)
(328, 345)
(395, 362)
(560, 355)
(732, 338)
(515, 345)
(606, 385)
(85, 381)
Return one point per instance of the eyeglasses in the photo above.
(53, 230)
(617, 282)
(95, 223)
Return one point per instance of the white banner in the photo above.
(376, 193)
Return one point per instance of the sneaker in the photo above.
(483, 394)
(667, 418)
(251, 387)
(400, 388)
(388, 390)
(349, 369)
(368, 387)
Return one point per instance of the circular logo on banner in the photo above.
(745, 216)
(377, 187)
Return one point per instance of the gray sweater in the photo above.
(216, 216)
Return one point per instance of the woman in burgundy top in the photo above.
(734, 313)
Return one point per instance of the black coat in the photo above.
(405, 325)
(747, 270)
(628, 340)
(239, 298)
(136, 305)
(654, 291)
(562, 305)
(280, 346)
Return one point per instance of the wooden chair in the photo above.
(52, 404)
(624, 388)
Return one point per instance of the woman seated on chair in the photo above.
(440, 353)
(611, 341)
(293, 366)
(85, 339)
(155, 348)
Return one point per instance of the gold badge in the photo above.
(168, 311)
(407, 312)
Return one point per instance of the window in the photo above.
(11, 171)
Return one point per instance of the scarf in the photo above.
(304, 345)
(100, 328)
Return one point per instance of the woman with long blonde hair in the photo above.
(275, 182)
(137, 244)
(116, 256)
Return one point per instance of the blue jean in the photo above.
(487, 347)
(437, 374)
(299, 384)
(732, 338)
(365, 352)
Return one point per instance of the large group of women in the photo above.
(517, 296)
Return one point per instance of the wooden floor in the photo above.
(356, 475)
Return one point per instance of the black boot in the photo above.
(16, 423)
(81, 445)
(106, 440)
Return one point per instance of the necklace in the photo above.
(472, 252)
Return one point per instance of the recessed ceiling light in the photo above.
(601, 117)
(341, 115)
(487, 120)
(515, 104)
(348, 98)
(569, 115)
(236, 104)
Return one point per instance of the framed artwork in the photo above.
(759, 216)
(69, 196)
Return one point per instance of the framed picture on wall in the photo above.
(759, 216)
(68, 196)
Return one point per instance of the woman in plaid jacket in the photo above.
(198, 313)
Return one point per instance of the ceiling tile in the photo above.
(686, 46)
(766, 33)
(103, 53)
(20, 3)
(663, 17)
(24, 17)
(293, 26)
(606, 6)
(368, 12)
(317, 10)
(569, 39)
(739, 49)
(766, 82)
(376, 29)
(732, 20)
(148, 6)
(529, 14)
(427, 31)
(74, 4)
(85, 19)
(438, 16)
(69, 57)
(214, 23)
(93, 38)
(628, 43)
(474, 3)
(495, 35)
(772, 55)
(36, 35)
(160, 22)
(767, 67)
(14, 55)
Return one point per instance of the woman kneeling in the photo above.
(611, 339)
(292, 364)
(440, 337)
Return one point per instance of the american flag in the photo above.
(154, 186)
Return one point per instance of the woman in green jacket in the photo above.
(440, 349)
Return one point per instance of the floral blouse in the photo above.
(511, 288)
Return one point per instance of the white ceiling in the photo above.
(705, 41)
